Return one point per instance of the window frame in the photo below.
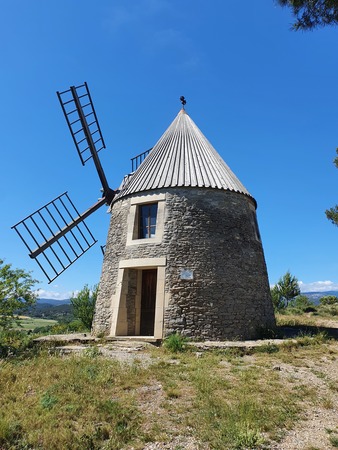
(133, 220)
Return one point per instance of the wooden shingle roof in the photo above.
(183, 157)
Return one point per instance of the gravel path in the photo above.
(313, 431)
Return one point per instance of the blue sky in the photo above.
(265, 97)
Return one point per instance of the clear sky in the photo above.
(265, 97)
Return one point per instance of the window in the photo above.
(147, 220)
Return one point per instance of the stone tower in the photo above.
(183, 251)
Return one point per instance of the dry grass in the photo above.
(222, 400)
(53, 402)
(295, 320)
(309, 319)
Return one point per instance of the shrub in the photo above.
(328, 310)
(175, 343)
(329, 300)
(43, 330)
(76, 326)
(84, 305)
(267, 348)
(92, 352)
(13, 342)
(246, 438)
(301, 304)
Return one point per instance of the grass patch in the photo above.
(231, 406)
(293, 320)
(305, 340)
(56, 401)
(267, 348)
(30, 323)
(222, 399)
(236, 414)
(334, 440)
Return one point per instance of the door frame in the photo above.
(119, 325)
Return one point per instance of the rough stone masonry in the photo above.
(212, 233)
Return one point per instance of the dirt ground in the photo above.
(313, 431)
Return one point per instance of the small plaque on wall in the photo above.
(187, 274)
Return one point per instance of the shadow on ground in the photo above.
(301, 330)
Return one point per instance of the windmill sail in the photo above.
(84, 127)
(56, 235)
(73, 101)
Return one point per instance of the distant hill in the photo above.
(43, 303)
(314, 297)
(47, 308)
(51, 301)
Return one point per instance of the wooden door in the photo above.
(148, 301)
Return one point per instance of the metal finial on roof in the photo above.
(183, 101)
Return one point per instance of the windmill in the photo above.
(56, 234)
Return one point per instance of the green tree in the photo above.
(277, 301)
(332, 213)
(16, 293)
(284, 291)
(310, 14)
(329, 300)
(84, 305)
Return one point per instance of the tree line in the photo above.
(286, 295)
(17, 296)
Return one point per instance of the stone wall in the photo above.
(213, 234)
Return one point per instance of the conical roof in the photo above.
(183, 157)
